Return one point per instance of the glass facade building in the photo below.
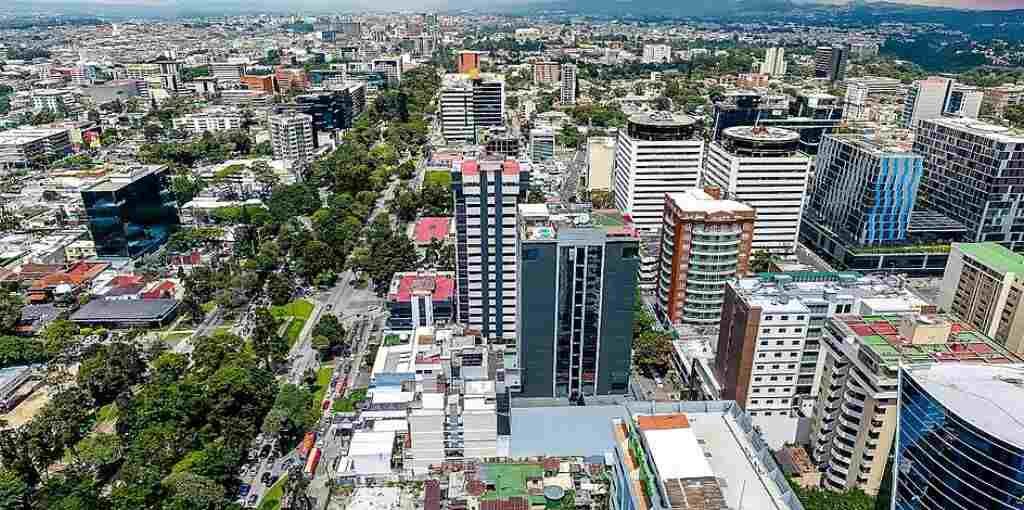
(132, 213)
(961, 441)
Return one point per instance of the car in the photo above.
(287, 464)
(265, 478)
(330, 306)
(243, 490)
(252, 500)
(266, 450)
(659, 381)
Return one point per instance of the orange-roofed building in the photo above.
(663, 422)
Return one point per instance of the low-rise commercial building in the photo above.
(210, 119)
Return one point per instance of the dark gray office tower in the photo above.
(973, 173)
(132, 212)
(577, 284)
(830, 62)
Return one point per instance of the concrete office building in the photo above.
(292, 137)
(210, 119)
(926, 99)
(705, 242)
(228, 71)
(855, 417)
(811, 114)
(983, 285)
(1003, 96)
(486, 195)
(239, 97)
(468, 61)
(391, 67)
(542, 144)
(763, 168)
(961, 440)
(546, 72)
(25, 146)
(769, 340)
(965, 101)
(657, 54)
(830, 63)
(858, 90)
(577, 286)
(977, 187)
(469, 104)
(600, 163)
(774, 63)
(55, 100)
(568, 90)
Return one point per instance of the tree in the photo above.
(762, 262)
(13, 490)
(209, 352)
(266, 343)
(279, 289)
(1015, 115)
(60, 338)
(291, 415)
(113, 369)
(152, 132)
(821, 499)
(10, 310)
(187, 490)
(98, 452)
(21, 351)
(652, 352)
(662, 103)
(602, 199)
(329, 334)
(569, 136)
(185, 188)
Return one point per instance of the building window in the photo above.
(782, 330)
(769, 317)
(631, 252)
(785, 317)
(757, 390)
(531, 254)
(766, 330)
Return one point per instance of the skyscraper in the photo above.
(132, 212)
(977, 185)
(577, 284)
(704, 243)
(542, 144)
(984, 284)
(469, 103)
(546, 72)
(568, 91)
(774, 62)
(830, 62)
(486, 195)
(926, 99)
(657, 54)
(864, 189)
(763, 168)
(960, 437)
(292, 137)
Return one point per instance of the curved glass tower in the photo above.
(961, 437)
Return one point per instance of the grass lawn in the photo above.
(108, 412)
(510, 479)
(223, 329)
(272, 498)
(208, 306)
(437, 177)
(300, 309)
(323, 379)
(390, 340)
(348, 404)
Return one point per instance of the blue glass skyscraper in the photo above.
(131, 213)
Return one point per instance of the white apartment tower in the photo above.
(774, 62)
(657, 54)
(763, 168)
(568, 96)
(486, 198)
(291, 136)
(469, 103)
(926, 99)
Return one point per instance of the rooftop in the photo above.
(441, 286)
(662, 119)
(473, 167)
(980, 128)
(994, 256)
(776, 292)
(762, 133)
(697, 200)
(544, 222)
(878, 145)
(123, 311)
(124, 177)
(430, 228)
(991, 398)
(923, 339)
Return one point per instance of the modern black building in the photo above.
(813, 115)
(131, 213)
(577, 287)
(331, 111)
(830, 62)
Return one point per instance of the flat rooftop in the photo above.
(662, 119)
(123, 177)
(879, 145)
(696, 200)
(980, 128)
(776, 291)
(544, 222)
(994, 256)
(989, 397)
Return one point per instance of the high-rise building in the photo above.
(292, 137)
(975, 187)
(999, 98)
(546, 72)
(656, 153)
(855, 417)
(331, 111)
(600, 162)
(769, 340)
(263, 83)
(227, 71)
(983, 284)
(705, 242)
(858, 90)
(864, 189)
(964, 101)
(131, 213)
(577, 287)
(811, 114)
(568, 92)
(470, 103)
(830, 62)
(926, 99)
(486, 196)
(391, 67)
(468, 61)
(763, 168)
(55, 100)
(774, 62)
(960, 437)
(542, 144)
(657, 54)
